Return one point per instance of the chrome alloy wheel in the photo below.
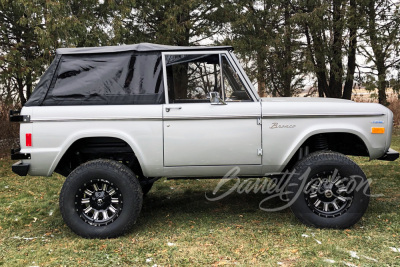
(98, 202)
(328, 194)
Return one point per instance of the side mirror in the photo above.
(215, 99)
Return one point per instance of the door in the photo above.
(198, 133)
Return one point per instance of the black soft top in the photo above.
(108, 75)
(142, 47)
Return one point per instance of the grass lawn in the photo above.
(179, 226)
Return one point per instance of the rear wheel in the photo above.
(101, 199)
(328, 191)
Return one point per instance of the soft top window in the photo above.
(93, 75)
(105, 79)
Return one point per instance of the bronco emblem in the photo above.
(275, 125)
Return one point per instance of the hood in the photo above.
(300, 106)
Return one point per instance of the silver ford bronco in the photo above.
(113, 120)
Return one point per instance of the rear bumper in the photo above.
(390, 155)
(20, 168)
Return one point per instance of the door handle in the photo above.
(169, 108)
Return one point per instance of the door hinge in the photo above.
(259, 152)
(259, 121)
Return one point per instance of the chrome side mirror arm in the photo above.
(215, 99)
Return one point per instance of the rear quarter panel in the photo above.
(55, 129)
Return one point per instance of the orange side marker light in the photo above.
(378, 130)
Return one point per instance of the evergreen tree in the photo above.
(264, 34)
(181, 22)
(31, 31)
(381, 33)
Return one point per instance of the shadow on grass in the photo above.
(192, 204)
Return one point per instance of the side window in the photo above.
(191, 78)
(234, 88)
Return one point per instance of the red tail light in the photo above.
(28, 139)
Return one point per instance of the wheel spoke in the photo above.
(95, 215)
(316, 203)
(336, 178)
(315, 187)
(326, 207)
(343, 199)
(112, 209)
(105, 215)
(114, 200)
(87, 209)
(111, 192)
(313, 195)
(338, 182)
(335, 206)
(85, 200)
(342, 189)
(104, 188)
(334, 175)
(96, 188)
(88, 192)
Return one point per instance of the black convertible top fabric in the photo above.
(112, 75)
(43, 86)
(142, 47)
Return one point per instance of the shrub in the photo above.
(9, 132)
(395, 108)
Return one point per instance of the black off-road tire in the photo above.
(101, 199)
(318, 195)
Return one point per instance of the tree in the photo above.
(353, 26)
(325, 25)
(381, 32)
(22, 54)
(264, 34)
(182, 22)
(285, 59)
(31, 31)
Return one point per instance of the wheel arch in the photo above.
(74, 141)
(345, 142)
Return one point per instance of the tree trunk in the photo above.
(287, 82)
(181, 71)
(382, 82)
(336, 65)
(20, 88)
(320, 82)
(320, 66)
(28, 85)
(378, 53)
(351, 61)
(261, 69)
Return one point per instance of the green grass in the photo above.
(228, 232)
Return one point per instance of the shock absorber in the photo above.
(321, 143)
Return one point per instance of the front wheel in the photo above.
(101, 199)
(328, 190)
